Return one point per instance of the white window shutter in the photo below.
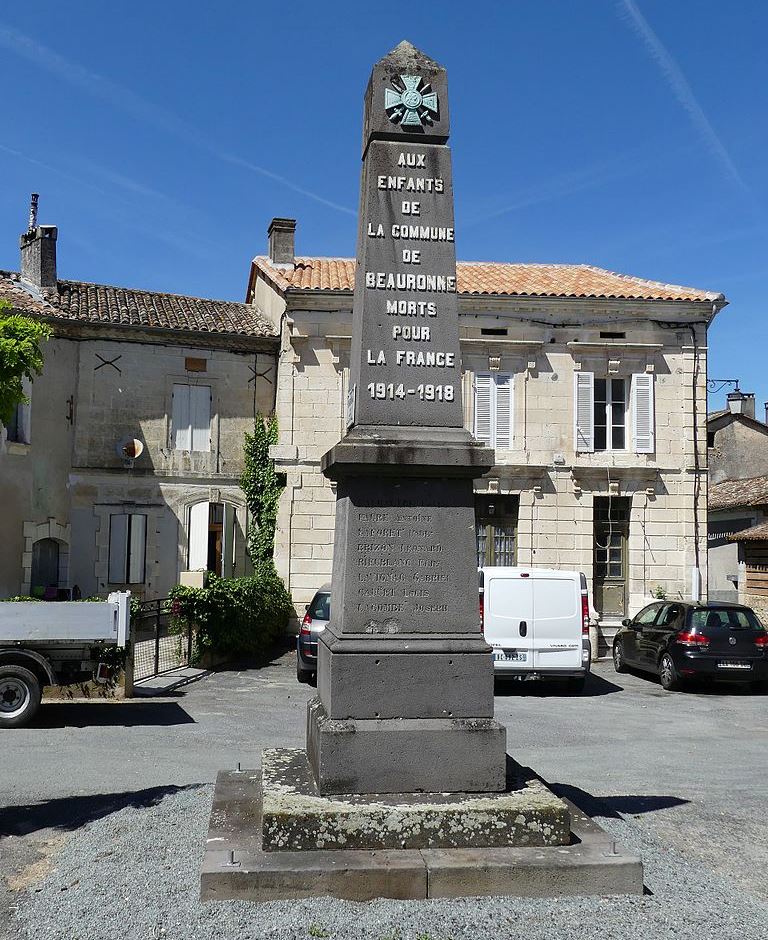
(200, 416)
(483, 408)
(503, 410)
(137, 546)
(584, 411)
(198, 537)
(643, 436)
(118, 548)
(228, 542)
(182, 435)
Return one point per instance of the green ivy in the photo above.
(262, 487)
(233, 616)
(20, 357)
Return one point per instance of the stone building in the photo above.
(178, 379)
(590, 385)
(737, 456)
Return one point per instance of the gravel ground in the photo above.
(148, 862)
(104, 815)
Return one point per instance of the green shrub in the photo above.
(233, 616)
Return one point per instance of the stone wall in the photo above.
(555, 525)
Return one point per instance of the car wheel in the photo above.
(20, 695)
(618, 657)
(303, 675)
(670, 680)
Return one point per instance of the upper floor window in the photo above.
(127, 548)
(493, 408)
(612, 414)
(191, 417)
(19, 429)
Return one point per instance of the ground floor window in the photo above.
(212, 538)
(610, 536)
(45, 567)
(127, 548)
(496, 526)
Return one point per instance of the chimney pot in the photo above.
(282, 242)
(742, 403)
(38, 252)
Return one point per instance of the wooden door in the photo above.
(611, 534)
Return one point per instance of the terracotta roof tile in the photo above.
(121, 306)
(733, 494)
(756, 532)
(475, 277)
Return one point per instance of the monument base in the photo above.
(396, 755)
(272, 837)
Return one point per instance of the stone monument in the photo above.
(404, 789)
(404, 674)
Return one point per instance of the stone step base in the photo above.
(236, 868)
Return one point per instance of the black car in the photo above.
(681, 640)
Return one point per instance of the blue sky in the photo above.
(164, 136)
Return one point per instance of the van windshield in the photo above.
(731, 618)
(320, 608)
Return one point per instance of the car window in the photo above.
(320, 608)
(669, 615)
(732, 618)
(648, 615)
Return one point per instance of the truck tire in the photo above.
(20, 695)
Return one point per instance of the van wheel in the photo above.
(618, 657)
(670, 680)
(20, 695)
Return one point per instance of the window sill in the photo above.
(16, 448)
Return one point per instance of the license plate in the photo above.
(734, 665)
(510, 656)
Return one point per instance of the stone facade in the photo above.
(541, 343)
(78, 511)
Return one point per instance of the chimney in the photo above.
(38, 251)
(766, 412)
(282, 242)
(742, 403)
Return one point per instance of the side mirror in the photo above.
(626, 622)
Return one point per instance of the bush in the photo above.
(233, 616)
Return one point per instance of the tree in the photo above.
(20, 357)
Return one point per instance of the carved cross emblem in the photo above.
(412, 103)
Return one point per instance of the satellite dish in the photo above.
(130, 448)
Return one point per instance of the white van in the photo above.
(537, 621)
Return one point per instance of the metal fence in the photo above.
(155, 649)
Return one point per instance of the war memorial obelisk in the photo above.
(404, 789)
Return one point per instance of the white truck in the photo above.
(55, 643)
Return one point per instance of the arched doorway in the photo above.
(45, 565)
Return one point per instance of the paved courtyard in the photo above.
(103, 813)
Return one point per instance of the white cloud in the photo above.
(681, 89)
(117, 95)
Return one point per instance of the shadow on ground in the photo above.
(72, 812)
(614, 807)
(554, 688)
(127, 714)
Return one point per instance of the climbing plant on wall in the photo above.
(20, 357)
(262, 487)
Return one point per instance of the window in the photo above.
(191, 417)
(18, 430)
(493, 408)
(127, 548)
(610, 410)
(496, 524)
(212, 538)
(602, 410)
(45, 564)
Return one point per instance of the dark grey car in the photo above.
(315, 621)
